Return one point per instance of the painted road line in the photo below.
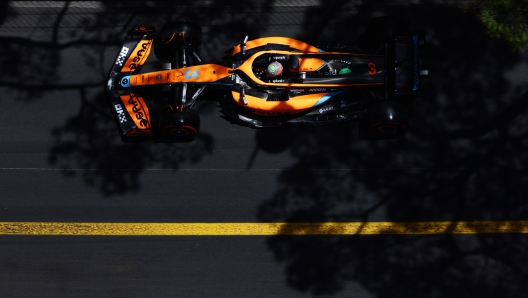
(261, 229)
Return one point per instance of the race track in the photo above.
(61, 161)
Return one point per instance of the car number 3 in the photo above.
(372, 68)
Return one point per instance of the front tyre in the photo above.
(179, 126)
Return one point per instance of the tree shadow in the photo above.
(74, 55)
(463, 159)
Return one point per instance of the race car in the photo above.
(266, 82)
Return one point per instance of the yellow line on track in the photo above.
(261, 229)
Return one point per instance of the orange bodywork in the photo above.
(293, 43)
(275, 108)
(247, 68)
(137, 109)
(138, 56)
(310, 64)
(210, 73)
(206, 73)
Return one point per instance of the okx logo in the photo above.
(189, 75)
(121, 57)
(120, 113)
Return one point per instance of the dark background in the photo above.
(61, 159)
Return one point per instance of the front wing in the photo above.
(128, 107)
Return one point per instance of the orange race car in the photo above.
(266, 82)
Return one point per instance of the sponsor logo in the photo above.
(278, 81)
(328, 73)
(345, 70)
(120, 113)
(325, 109)
(275, 58)
(317, 89)
(343, 61)
(296, 91)
(158, 77)
(189, 75)
(122, 55)
(136, 108)
(323, 73)
(139, 55)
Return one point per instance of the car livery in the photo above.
(317, 85)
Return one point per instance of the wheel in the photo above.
(386, 27)
(140, 31)
(387, 119)
(179, 126)
(175, 34)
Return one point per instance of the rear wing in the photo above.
(130, 111)
(403, 66)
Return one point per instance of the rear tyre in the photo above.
(173, 35)
(387, 120)
(179, 126)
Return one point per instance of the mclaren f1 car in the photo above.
(266, 82)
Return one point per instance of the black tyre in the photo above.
(387, 119)
(140, 31)
(175, 34)
(383, 28)
(179, 126)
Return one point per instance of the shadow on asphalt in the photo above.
(463, 158)
(89, 139)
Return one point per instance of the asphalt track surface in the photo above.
(61, 161)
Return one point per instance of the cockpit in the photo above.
(317, 68)
(273, 68)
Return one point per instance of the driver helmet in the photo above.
(274, 69)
